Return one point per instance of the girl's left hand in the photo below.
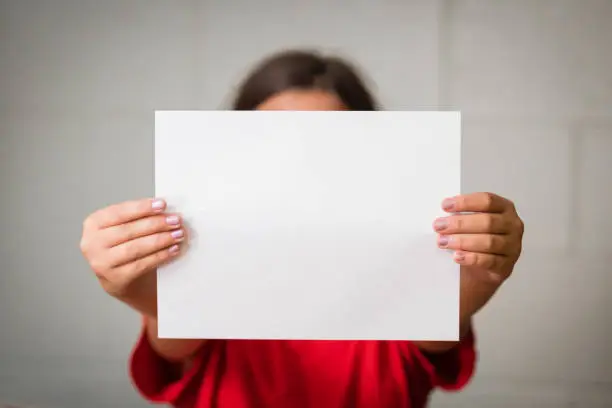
(488, 240)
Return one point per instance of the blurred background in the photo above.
(80, 79)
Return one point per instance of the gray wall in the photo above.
(79, 81)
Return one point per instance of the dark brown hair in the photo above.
(304, 70)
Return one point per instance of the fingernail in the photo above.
(440, 224)
(174, 249)
(459, 256)
(177, 234)
(448, 204)
(443, 241)
(158, 205)
(173, 220)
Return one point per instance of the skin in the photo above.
(125, 243)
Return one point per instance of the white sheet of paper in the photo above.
(309, 225)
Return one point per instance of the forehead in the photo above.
(303, 100)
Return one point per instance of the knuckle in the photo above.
(459, 223)
(144, 264)
(89, 222)
(135, 268)
(459, 242)
(97, 265)
(128, 233)
(84, 245)
(507, 224)
(115, 209)
(154, 224)
(476, 259)
(155, 241)
(496, 262)
(471, 259)
(142, 206)
(490, 243)
(460, 201)
(128, 251)
(520, 225)
(161, 240)
(137, 229)
(516, 253)
(160, 257)
(505, 269)
(502, 225)
(87, 245)
(488, 198)
(497, 278)
(488, 262)
(488, 222)
(131, 207)
(112, 217)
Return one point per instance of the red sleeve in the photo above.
(453, 369)
(159, 380)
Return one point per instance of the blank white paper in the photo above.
(309, 225)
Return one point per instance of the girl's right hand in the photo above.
(125, 243)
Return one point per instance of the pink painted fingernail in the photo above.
(158, 205)
(459, 256)
(173, 220)
(174, 249)
(440, 224)
(448, 204)
(443, 241)
(177, 234)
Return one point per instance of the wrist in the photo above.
(142, 295)
(145, 305)
(475, 293)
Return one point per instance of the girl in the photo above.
(126, 242)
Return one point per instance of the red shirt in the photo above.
(302, 374)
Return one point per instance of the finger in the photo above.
(485, 243)
(476, 202)
(120, 234)
(133, 270)
(472, 224)
(127, 211)
(481, 260)
(142, 247)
